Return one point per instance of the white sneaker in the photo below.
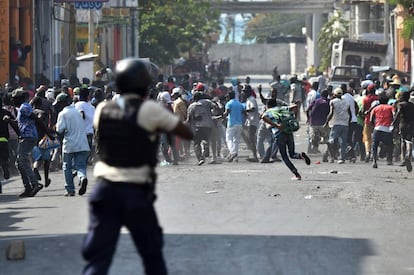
(341, 161)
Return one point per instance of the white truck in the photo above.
(86, 66)
(364, 54)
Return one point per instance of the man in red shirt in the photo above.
(381, 117)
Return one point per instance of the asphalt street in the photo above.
(235, 218)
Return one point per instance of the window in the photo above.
(352, 59)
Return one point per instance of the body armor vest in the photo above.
(121, 142)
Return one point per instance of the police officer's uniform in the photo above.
(124, 192)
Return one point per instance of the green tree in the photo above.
(170, 28)
(332, 31)
(262, 26)
(408, 23)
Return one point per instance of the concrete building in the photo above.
(375, 20)
(16, 24)
(59, 30)
(403, 48)
(290, 58)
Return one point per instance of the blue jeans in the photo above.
(111, 206)
(23, 162)
(79, 159)
(168, 141)
(339, 132)
(273, 148)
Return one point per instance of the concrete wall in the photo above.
(261, 58)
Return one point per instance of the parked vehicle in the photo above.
(343, 74)
(359, 53)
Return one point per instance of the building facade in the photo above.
(57, 32)
(16, 27)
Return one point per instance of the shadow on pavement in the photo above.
(202, 254)
(11, 215)
(5, 198)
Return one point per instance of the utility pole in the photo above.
(137, 30)
(134, 40)
(69, 40)
(234, 28)
(72, 41)
(91, 32)
(133, 7)
(412, 61)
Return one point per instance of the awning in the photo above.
(388, 69)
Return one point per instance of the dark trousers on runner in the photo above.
(286, 145)
(386, 139)
(201, 134)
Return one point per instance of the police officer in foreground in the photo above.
(127, 139)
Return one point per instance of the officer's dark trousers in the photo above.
(112, 205)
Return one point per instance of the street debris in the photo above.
(212, 191)
(16, 250)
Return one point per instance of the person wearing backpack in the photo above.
(283, 129)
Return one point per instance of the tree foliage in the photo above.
(332, 31)
(263, 26)
(408, 23)
(170, 28)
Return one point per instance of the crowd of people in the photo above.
(370, 122)
(49, 129)
(122, 130)
(223, 116)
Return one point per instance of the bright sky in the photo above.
(239, 27)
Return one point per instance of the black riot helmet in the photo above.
(133, 76)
